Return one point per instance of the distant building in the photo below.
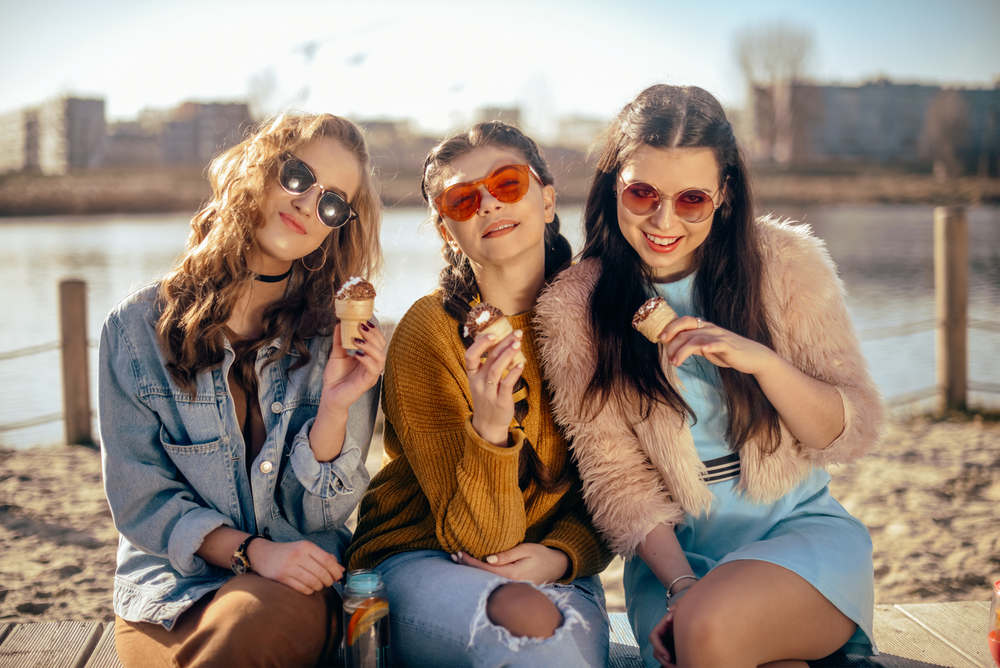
(71, 133)
(510, 115)
(196, 132)
(59, 135)
(580, 132)
(397, 151)
(19, 141)
(382, 131)
(130, 144)
(803, 123)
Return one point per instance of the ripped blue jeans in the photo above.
(437, 613)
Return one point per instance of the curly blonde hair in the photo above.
(197, 297)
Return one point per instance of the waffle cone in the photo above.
(652, 326)
(352, 312)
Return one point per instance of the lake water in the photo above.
(884, 253)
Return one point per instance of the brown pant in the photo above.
(249, 621)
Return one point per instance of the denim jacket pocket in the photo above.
(206, 467)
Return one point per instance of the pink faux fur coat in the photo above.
(638, 473)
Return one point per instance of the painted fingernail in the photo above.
(359, 353)
(454, 557)
(517, 344)
(518, 333)
(358, 340)
(492, 559)
(371, 323)
(364, 327)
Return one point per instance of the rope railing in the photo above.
(870, 334)
(911, 397)
(891, 331)
(951, 325)
(986, 325)
(30, 350)
(31, 422)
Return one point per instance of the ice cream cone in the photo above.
(352, 312)
(652, 317)
(501, 328)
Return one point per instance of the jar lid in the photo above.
(363, 582)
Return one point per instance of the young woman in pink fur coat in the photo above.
(702, 454)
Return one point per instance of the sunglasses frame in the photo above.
(475, 185)
(673, 198)
(287, 157)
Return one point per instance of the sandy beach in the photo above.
(930, 493)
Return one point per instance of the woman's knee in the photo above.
(702, 631)
(268, 620)
(523, 610)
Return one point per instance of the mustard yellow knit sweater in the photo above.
(442, 486)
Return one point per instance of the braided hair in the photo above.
(460, 291)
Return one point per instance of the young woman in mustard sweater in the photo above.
(476, 522)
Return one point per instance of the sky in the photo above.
(437, 62)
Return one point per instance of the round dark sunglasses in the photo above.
(297, 178)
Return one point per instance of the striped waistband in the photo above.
(721, 469)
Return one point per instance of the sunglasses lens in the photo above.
(693, 206)
(333, 210)
(640, 198)
(460, 201)
(295, 176)
(509, 184)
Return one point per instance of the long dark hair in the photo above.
(458, 282)
(727, 287)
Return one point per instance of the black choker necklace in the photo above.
(272, 278)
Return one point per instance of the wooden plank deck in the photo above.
(913, 635)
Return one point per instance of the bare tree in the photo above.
(773, 52)
(772, 57)
(945, 136)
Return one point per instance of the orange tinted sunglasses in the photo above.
(508, 184)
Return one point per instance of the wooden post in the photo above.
(951, 286)
(76, 379)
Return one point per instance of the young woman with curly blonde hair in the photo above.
(234, 425)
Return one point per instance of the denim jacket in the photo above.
(174, 471)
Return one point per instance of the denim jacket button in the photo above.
(266, 467)
(276, 407)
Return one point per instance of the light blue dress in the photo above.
(805, 531)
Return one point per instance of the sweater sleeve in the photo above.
(818, 338)
(574, 534)
(623, 491)
(470, 484)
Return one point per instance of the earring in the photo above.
(321, 264)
